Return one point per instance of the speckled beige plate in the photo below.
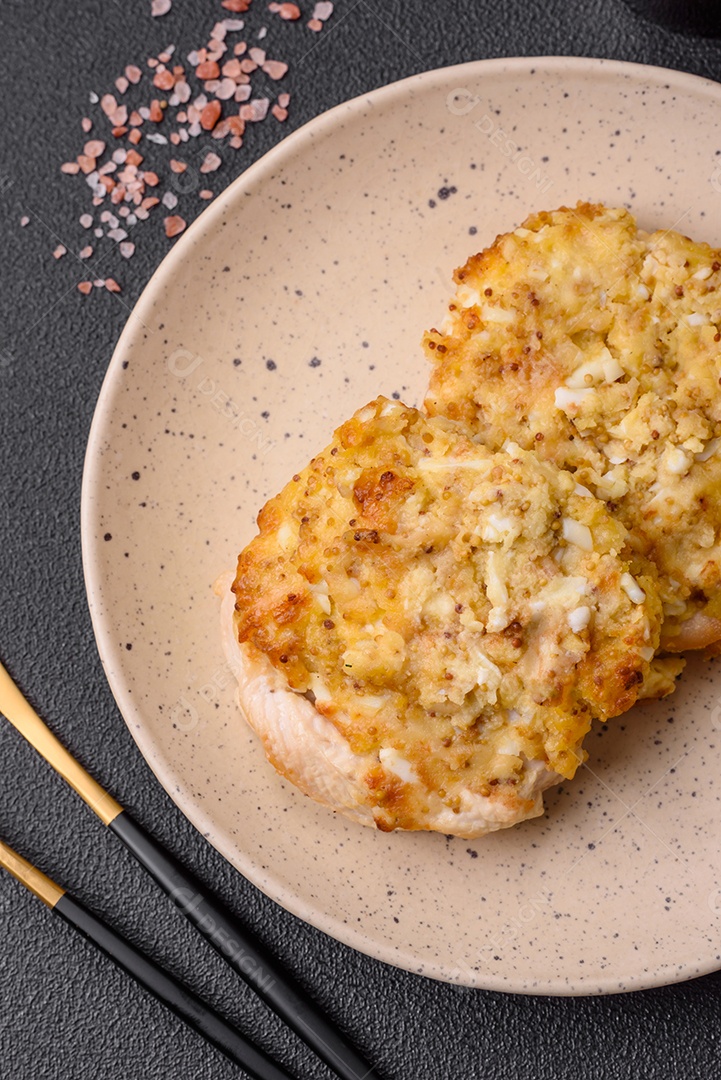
(299, 294)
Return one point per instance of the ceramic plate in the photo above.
(298, 295)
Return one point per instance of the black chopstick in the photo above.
(242, 951)
(195, 1012)
(238, 946)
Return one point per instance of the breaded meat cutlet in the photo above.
(423, 630)
(598, 346)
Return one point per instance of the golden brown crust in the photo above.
(454, 613)
(598, 346)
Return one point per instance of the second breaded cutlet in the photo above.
(598, 346)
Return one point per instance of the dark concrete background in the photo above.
(65, 1012)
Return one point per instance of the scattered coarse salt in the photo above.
(164, 79)
(111, 285)
(323, 10)
(85, 287)
(275, 69)
(210, 115)
(207, 70)
(24, 220)
(95, 148)
(256, 110)
(223, 70)
(60, 250)
(231, 69)
(225, 89)
(315, 24)
(211, 162)
(108, 104)
(174, 225)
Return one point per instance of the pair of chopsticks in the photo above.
(239, 947)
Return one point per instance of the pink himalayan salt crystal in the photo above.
(255, 110)
(275, 69)
(211, 163)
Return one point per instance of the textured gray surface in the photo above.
(64, 1011)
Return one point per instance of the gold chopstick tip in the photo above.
(29, 876)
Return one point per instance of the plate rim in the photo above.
(109, 650)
